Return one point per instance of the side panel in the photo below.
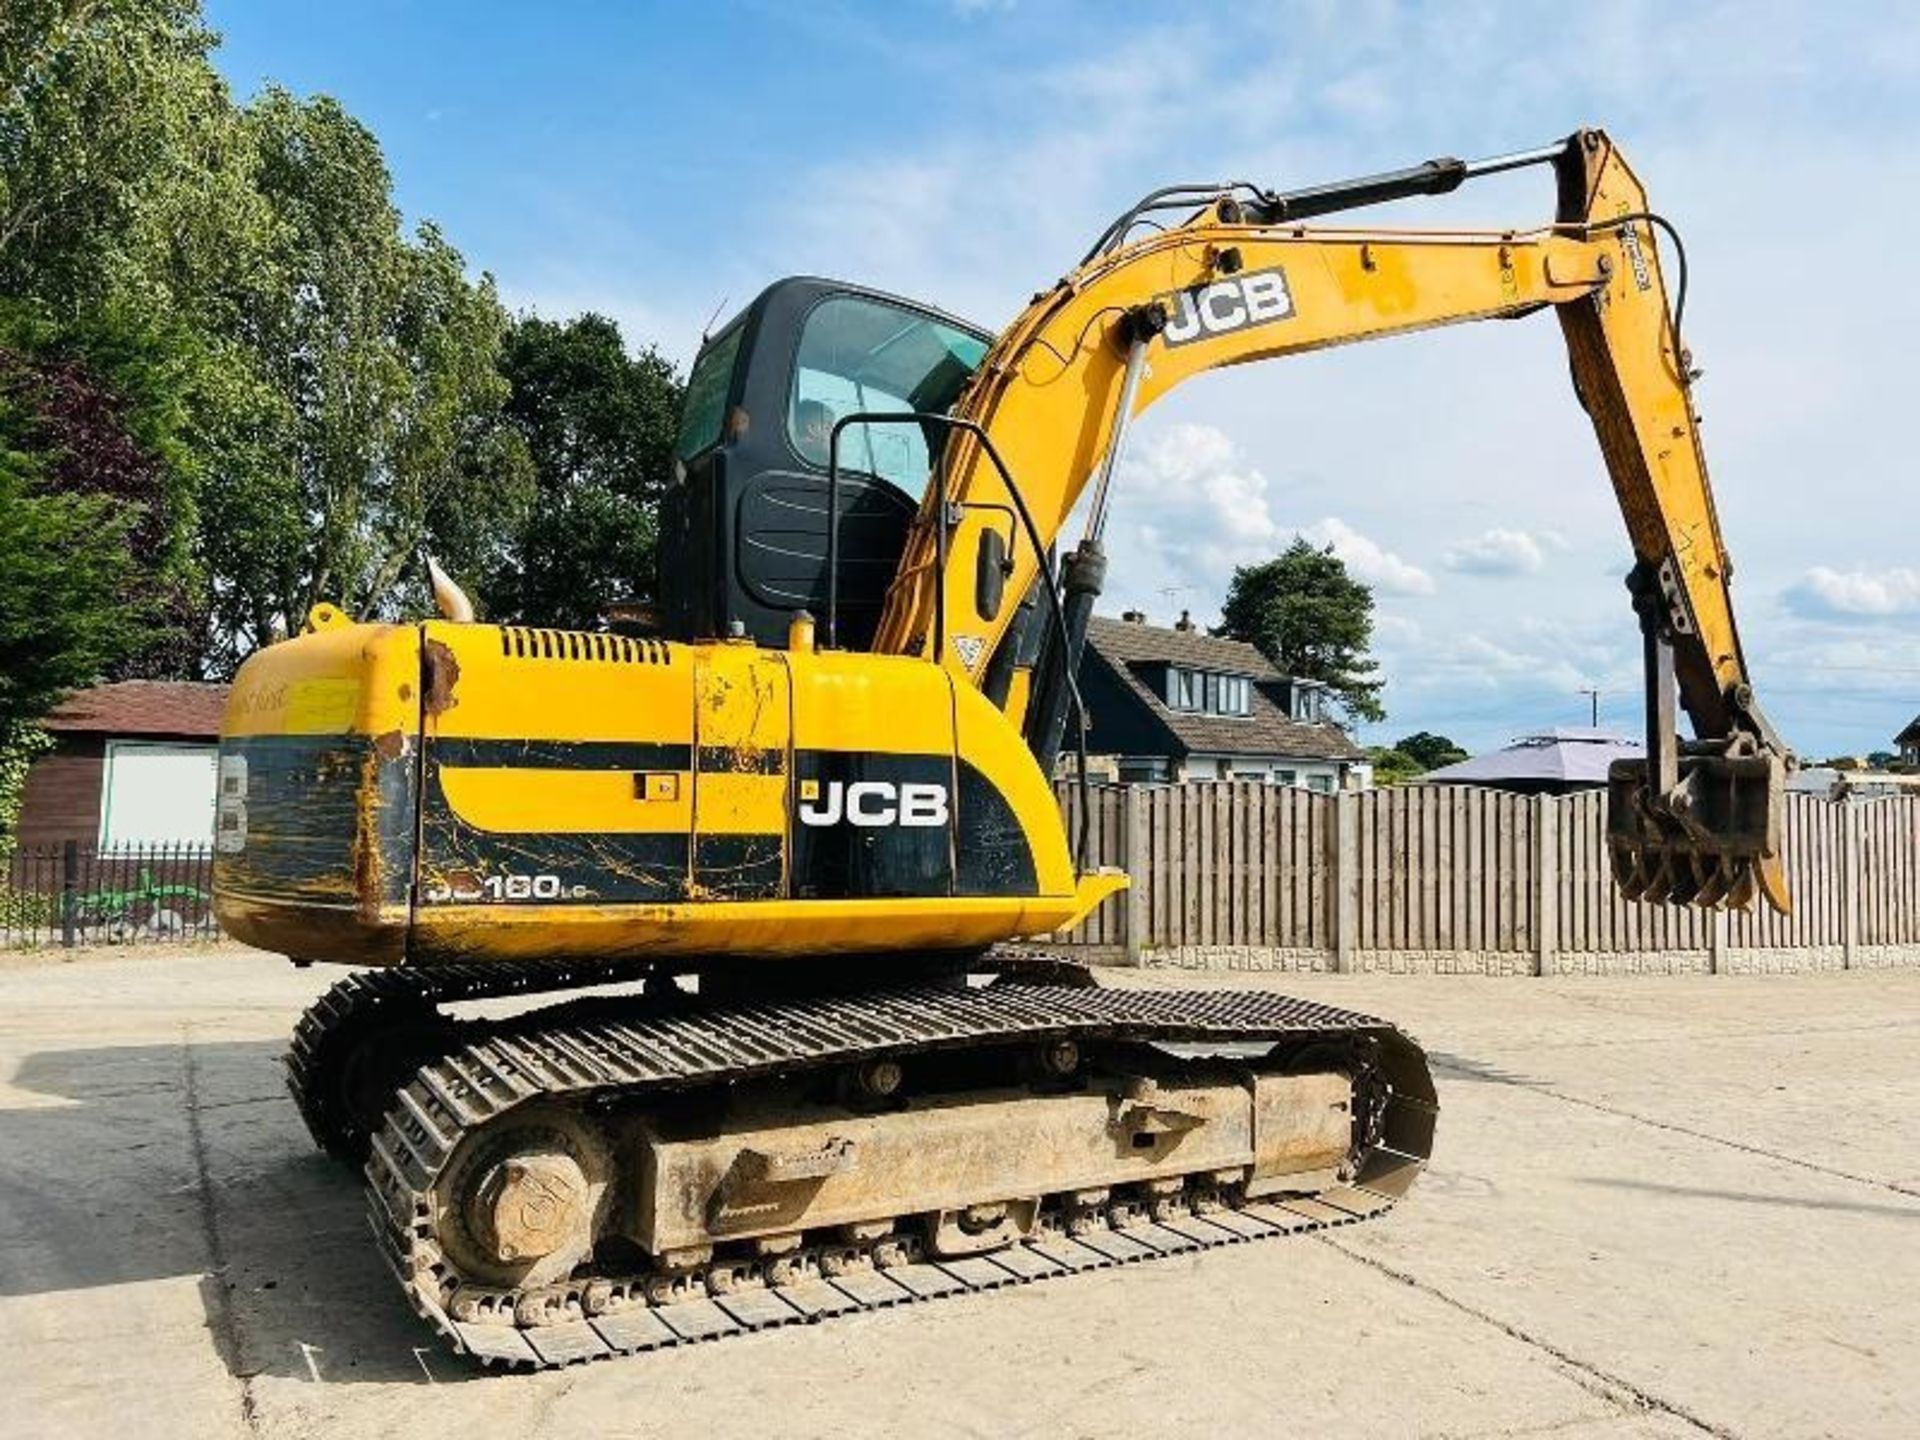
(873, 778)
(314, 815)
(742, 724)
(558, 768)
(1010, 837)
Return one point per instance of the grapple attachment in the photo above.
(1711, 837)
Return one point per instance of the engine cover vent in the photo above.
(522, 642)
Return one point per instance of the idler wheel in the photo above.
(524, 1204)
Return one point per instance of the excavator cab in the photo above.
(744, 526)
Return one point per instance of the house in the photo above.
(1180, 704)
(133, 764)
(1907, 742)
(1553, 762)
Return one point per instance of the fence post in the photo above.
(1133, 859)
(1716, 941)
(1345, 880)
(1850, 814)
(1546, 871)
(69, 894)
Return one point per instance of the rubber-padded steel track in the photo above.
(675, 1042)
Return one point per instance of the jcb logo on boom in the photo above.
(1238, 302)
(873, 803)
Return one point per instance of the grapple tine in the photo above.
(1744, 885)
(1720, 879)
(1771, 877)
(1682, 883)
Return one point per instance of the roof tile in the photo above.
(143, 707)
(1124, 644)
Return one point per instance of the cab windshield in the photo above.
(858, 354)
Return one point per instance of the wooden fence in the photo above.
(1452, 878)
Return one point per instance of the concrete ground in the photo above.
(1663, 1206)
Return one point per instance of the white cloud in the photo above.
(1823, 593)
(1496, 552)
(1369, 560)
(1188, 508)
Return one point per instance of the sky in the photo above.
(661, 164)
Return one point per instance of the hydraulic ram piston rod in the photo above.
(1433, 177)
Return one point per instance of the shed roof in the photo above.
(1128, 645)
(189, 708)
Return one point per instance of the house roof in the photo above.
(142, 707)
(1574, 754)
(1128, 645)
(1911, 733)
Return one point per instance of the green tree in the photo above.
(1312, 619)
(100, 406)
(1393, 766)
(599, 424)
(1430, 751)
(123, 175)
(65, 570)
(382, 430)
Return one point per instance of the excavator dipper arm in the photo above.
(1243, 280)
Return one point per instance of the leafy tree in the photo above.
(599, 424)
(65, 571)
(1430, 751)
(1393, 766)
(1882, 760)
(100, 406)
(286, 396)
(122, 173)
(382, 406)
(1312, 619)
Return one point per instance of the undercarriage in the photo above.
(620, 1172)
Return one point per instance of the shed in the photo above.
(133, 764)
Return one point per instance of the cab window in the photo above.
(858, 355)
(706, 403)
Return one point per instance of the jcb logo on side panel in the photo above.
(1238, 302)
(872, 803)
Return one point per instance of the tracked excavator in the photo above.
(787, 847)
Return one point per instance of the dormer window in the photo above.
(1305, 700)
(1208, 692)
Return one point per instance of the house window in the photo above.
(1143, 769)
(1287, 777)
(157, 794)
(1321, 783)
(1208, 691)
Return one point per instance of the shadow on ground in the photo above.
(156, 1162)
(1744, 1197)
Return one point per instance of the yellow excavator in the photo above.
(778, 840)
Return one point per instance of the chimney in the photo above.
(1185, 622)
(1134, 617)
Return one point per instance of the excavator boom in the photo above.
(1243, 280)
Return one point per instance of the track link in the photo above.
(676, 1043)
(371, 1008)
